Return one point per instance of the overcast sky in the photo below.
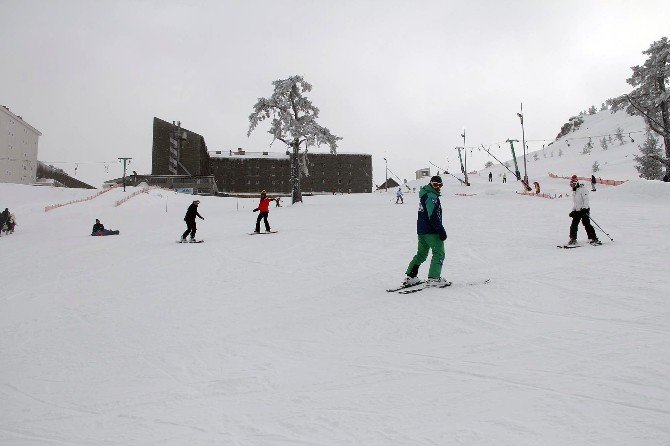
(396, 79)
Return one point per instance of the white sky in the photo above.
(393, 78)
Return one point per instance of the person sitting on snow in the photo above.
(4, 218)
(99, 229)
(11, 224)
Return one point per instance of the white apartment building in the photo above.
(18, 149)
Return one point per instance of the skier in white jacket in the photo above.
(580, 211)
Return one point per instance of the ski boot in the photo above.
(440, 282)
(595, 242)
(571, 242)
(410, 281)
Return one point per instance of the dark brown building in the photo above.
(177, 151)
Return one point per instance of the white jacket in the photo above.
(580, 198)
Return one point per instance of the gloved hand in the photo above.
(255, 210)
(443, 235)
(573, 214)
(586, 211)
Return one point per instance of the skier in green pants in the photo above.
(431, 236)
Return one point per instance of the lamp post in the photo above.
(386, 182)
(124, 160)
(523, 139)
(465, 149)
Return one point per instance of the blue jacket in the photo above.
(429, 220)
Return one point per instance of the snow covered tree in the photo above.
(593, 110)
(587, 147)
(596, 167)
(603, 106)
(618, 134)
(293, 123)
(535, 156)
(488, 164)
(650, 97)
(650, 165)
(603, 143)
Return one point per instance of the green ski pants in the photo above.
(428, 242)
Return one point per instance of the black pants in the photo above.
(400, 200)
(582, 215)
(190, 228)
(262, 216)
(504, 180)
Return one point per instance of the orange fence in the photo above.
(60, 205)
(598, 180)
(543, 195)
(134, 194)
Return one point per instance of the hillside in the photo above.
(291, 338)
(616, 162)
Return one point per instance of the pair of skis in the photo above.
(578, 246)
(420, 286)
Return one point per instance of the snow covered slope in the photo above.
(616, 162)
(291, 338)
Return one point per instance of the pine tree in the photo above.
(596, 167)
(603, 143)
(649, 165)
(593, 110)
(293, 123)
(650, 97)
(603, 107)
(618, 134)
(587, 147)
(488, 164)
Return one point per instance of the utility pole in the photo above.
(125, 160)
(386, 183)
(516, 166)
(467, 181)
(523, 138)
(460, 160)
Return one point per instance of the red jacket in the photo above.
(264, 204)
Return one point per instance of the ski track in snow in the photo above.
(293, 339)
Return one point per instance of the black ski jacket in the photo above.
(192, 212)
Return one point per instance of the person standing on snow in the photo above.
(431, 235)
(580, 212)
(398, 196)
(593, 183)
(264, 208)
(504, 178)
(191, 213)
(490, 177)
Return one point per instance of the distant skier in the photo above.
(593, 183)
(580, 211)
(504, 178)
(99, 229)
(264, 208)
(431, 235)
(398, 196)
(490, 177)
(191, 228)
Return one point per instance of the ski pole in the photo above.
(594, 222)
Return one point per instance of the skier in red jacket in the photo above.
(264, 208)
